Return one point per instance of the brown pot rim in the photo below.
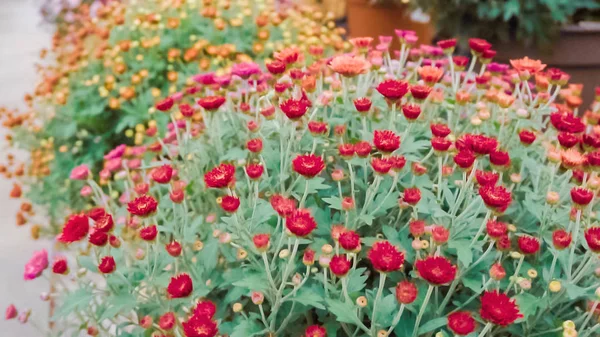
(366, 3)
(593, 28)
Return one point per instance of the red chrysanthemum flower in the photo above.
(496, 229)
(363, 149)
(416, 228)
(317, 128)
(230, 203)
(165, 105)
(497, 272)
(567, 122)
(96, 213)
(180, 286)
(447, 44)
(398, 162)
(440, 234)
(211, 103)
(186, 110)
(261, 242)
(592, 237)
(385, 257)
(282, 205)
(440, 144)
(107, 265)
(315, 331)
(167, 321)
(60, 266)
(254, 171)
(503, 243)
(162, 174)
(561, 239)
(406, 292)
(142, 206)
(478, 46)
(254, 145)
(300, 223)
(76, 228)
(412, 195)
(411, 111)
(393, 90)
(200, 326)
(346, 151)
(481, 144)
(436, 270)
(363, 104)
(568, 140)
(420, 92)
(593, 159)
(386, 141)
(486, 177)
(294, 108)
(173, 248)
(104, 224)
(461, 323)
(205, 309)
(581, 196)
(464, 159)
(276, 67)
(220, 177)
(98, 238)
(350, 240)
(499, 159)
(439, 130)
(528, 244)
(497, 198)
(308, 258)
(499, 309)
(148, 233)
(308, 165)
(340, 265)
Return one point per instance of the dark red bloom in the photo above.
(308, 165)
(363, 148)
(211, 103)
(75, 229)
(162, 174)
(276, 67)
(593, 159)
(440, 234)
(261, 242)
(385, 257)
(308, 258)
(177, 195)
(406, 292)
(254, 171)
(165, 105)
(142, 206)
(440, 130)
(317, 128)
(479, 45)
(173, 248)
(230, 203)
(386, 141)
(436, 270)
(148, 233)
(362, 104)
(497, 198)
(412, 195)
(561, 239)
(220, 177)
(528, 244)
(104, 224)
(447, 44)
(300, 223)
(592, 237)
(350, 240)
(481, 144)
(486, 177)
(254, 145)
(416, 228)
(567, 140)
(398, 162)
(496, 229)
(464, 159)
(500, 158)
(420, 92)
(200, 326)
(96, 213)
(581, 196)
(460, 61)
(503, 243)
(488, 54)
(346, 150)
(567, 122)
(340, 265)
(180, 286)
(461, 323)
(411, 111)
(205, 309)
(315, 331)
(282, 205)
(107, 265)
(186, 110)
(60, 266)
(499, 309)
(440, 144)
(167, 321)
(294, 109)
(98, 238)
(393, 90)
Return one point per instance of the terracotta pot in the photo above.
(365, 19)
(336, 7)
(575, 52)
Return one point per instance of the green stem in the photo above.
(382, 277)
(422, 311)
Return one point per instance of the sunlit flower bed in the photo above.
(109, 65)
(372, 194)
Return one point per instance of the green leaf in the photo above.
(334, 202)
(119, 303)
(463, 251)
(357, 280)
(246, 329)
(386, 310)
(254, 282)
(87, 262)
(344, 312)
(511, 8)
(78, 300)
(574, 292)
(432, 325)
(309, 298)
(528, 304)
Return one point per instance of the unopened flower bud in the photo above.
(347, 204)
(296, 279)
(475, 121)
(497, 272)
(11, 312)
(24, 316)
(242, 254)
(44, 296)
(554, 286)
(424, 244)
(522, 113)
(381, 333)
(515, 178)
(525, 284)
(570, 333)
(552, 197)
(140, 254)
(146, 322)
(361, 301)
(337, 175)
(327, 249)
(515, 255)
(511, 228)
(568, 324)
(211, 218)
(284, 253)
(92, 331)
(258, 297)
(532, 273)
(416, 244)
(225, 238)
(237, 307)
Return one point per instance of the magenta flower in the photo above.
(80, 172)
(36, 265)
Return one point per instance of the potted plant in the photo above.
(563, 33)
(380, 17)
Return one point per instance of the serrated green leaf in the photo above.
(432, 325)
(344, 312)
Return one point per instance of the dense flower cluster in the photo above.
(372, 194)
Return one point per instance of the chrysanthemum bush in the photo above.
(370, 194)
(109, 66)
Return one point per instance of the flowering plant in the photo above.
(109, 66)
(364, 195)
